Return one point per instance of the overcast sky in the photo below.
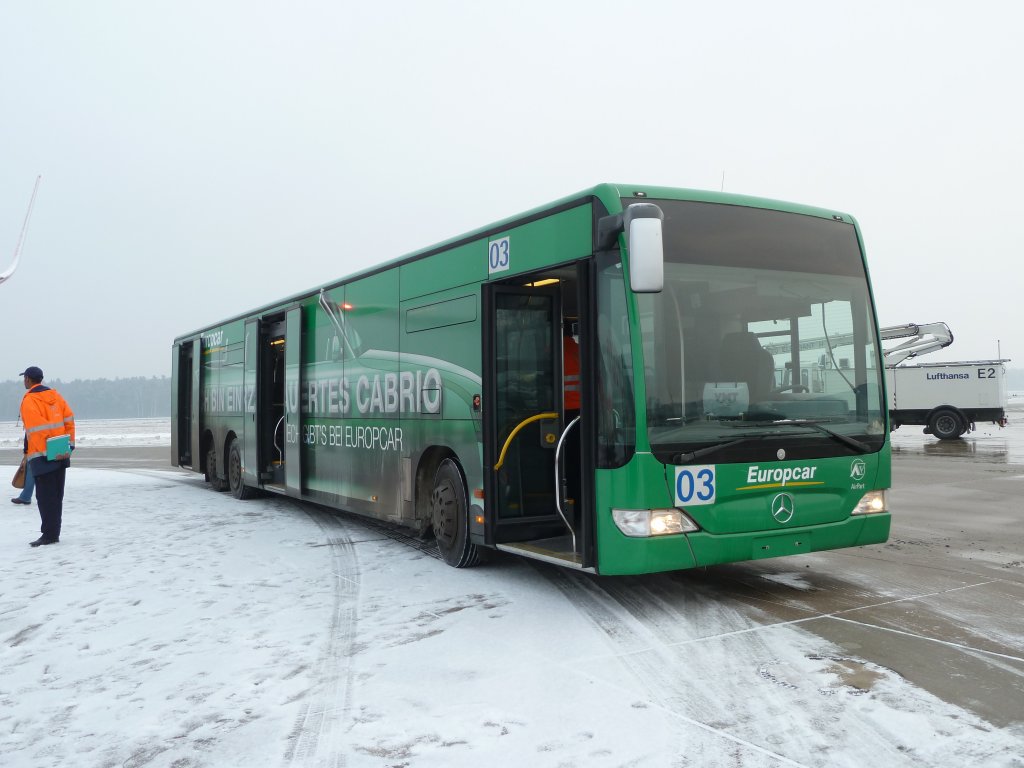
(203, 158)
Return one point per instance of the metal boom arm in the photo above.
(21, 238)
(920, 340)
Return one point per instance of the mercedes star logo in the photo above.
(782, 507)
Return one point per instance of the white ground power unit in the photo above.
(947, 398)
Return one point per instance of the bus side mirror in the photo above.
(642, 222)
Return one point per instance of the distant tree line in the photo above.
(142, 398)
(131, 398)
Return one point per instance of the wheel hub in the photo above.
(443, 508)
(235, 470)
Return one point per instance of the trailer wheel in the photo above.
(236, 484)
(216, 483)
(449, 516)
(946, 424)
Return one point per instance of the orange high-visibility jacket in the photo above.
(45, 414)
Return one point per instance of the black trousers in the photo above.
(50, 498)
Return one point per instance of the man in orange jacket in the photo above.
(45, 414)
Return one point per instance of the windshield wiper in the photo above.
(852, 442)
(686, 458)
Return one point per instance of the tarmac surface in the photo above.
(109, 457)
(941, 603)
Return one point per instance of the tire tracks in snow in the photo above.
(635, 619)
(316, 737)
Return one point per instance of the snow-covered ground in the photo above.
(102, 432)
(177, 627)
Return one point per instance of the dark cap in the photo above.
(34, 372)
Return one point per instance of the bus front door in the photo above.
(525, 418)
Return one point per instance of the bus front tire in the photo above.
(449, 516)
(236, 484)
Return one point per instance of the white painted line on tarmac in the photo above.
(949, 643)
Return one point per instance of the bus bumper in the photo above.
(696, 550)
(854, 532)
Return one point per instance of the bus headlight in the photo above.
(870, 503)
(640, 523)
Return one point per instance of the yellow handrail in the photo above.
(514, 432)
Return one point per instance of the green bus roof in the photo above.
(609, 194)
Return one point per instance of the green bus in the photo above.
(429, 391)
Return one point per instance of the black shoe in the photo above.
(17, 500)
(42, 540)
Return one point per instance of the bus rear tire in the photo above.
(236, 483)
(216, 483)
(449, 517)
(946, 424)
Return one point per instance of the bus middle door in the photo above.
(293, 402)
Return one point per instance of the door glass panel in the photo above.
(251, 424)
(293, 416)
(525, 336)
(616, 411)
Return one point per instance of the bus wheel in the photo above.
(211, 471)
(236, 484)
(945, 424)
(449, 515)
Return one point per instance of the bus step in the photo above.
(556, 550)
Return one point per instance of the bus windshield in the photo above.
(762, 337)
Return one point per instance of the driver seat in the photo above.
(741, 358)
